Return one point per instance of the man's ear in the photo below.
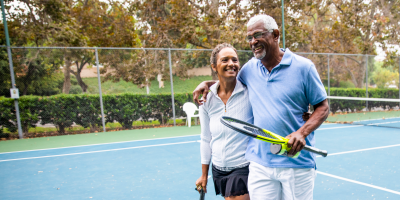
(276, 34)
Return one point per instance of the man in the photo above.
(281, 85)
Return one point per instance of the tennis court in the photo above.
(164, 163)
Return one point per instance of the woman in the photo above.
(225, 147)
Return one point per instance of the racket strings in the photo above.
(258, 132)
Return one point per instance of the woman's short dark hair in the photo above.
(217, 49)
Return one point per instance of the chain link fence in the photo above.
(76, 89)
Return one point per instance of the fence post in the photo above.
(10, 63)
(329, 86)
(366, 80)
(101, 96)
(172, 85)
(283, 24)
(399, 81)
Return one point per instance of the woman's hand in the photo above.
(202, 183)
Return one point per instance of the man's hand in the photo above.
(202, 88)
(202, 181)
(297, 141)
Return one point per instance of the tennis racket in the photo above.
(279, 143)
(202, 194)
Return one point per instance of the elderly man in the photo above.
(281, 85)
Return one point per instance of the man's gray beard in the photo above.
(260, 56)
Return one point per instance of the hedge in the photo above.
(84, 110)
(352, 105)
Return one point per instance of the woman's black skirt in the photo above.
(232, 183)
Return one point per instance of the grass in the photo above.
(109, 126)
(180, 86)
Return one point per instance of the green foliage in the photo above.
(5, 79)
(181, 85)
(59, 110)
(88, 111)
(29, 112)
(84, 110)
(122, 108)
(75, 89)
(7, 116)
(354, 105)
(346, 84)
(46, 86)
(384, 76)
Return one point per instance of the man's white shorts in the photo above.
(280, 183)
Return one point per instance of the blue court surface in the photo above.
(363, 163)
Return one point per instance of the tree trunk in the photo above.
(80, 82)
(67, 76)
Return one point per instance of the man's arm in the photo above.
(297, 139)
(202, 88)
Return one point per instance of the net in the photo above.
(365, 111)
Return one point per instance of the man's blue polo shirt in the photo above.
(278, 100)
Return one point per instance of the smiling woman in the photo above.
(227, 68)
(226, 148)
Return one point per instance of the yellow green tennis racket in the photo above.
(279, 143)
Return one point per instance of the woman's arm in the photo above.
(205, 147)
(202, 181)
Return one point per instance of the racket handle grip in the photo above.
(315, 150)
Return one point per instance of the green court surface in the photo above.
(360, 116)
(96, 138)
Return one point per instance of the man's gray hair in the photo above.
(269, 22)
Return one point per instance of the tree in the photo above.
(103, 24)
(353, 27)
(32, 66)
(384, 76)
(199, 24)
(40, 23)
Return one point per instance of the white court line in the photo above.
(321, 129)
(98, 144)
(368, 149)
(360, 183)
(377, 119)
(384, 123)
(70, 154)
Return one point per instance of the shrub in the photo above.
(75, 89)
(123, 108)
(84, 110)
(359, 105)
(59, 110)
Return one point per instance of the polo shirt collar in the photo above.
(238, 88)
(286, 59)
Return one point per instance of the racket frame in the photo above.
(280, 140)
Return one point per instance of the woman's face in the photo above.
(227, 64)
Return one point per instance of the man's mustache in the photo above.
(255, 46)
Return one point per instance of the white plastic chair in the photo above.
(190, 108)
